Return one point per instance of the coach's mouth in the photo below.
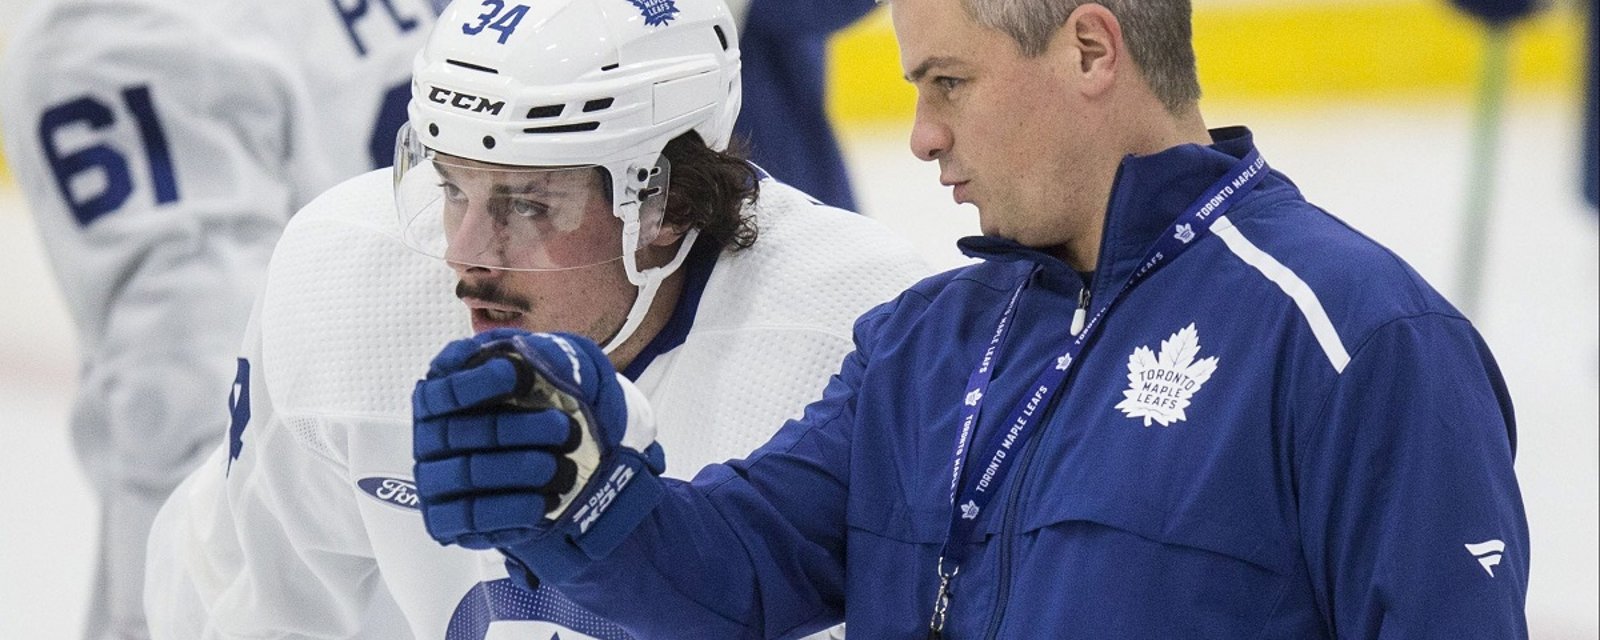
(958, 188)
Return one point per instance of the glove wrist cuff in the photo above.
(621, 494)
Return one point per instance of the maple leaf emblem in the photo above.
(1184, 234)
(656, 12)
(1063, 362)
(1161, 386)
(974, 397)
(969, 511)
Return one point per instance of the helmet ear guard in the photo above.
(500, 92)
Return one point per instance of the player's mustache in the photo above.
(491, 291)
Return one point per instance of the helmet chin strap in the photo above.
(649, 282)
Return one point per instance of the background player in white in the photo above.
(162, 145)
(580, 191)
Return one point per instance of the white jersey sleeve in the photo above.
(314, 529)
(268, 538)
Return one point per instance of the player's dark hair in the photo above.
(709, 190)
(1158, 33)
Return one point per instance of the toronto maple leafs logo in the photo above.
(969, 510)
(1159, 388)
(1185, 233)
(1063, 362)
(656, 12)
(973, 397)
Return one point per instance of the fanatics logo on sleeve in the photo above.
(1160, 387)
(1488, 553)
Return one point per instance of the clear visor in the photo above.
(525, 218)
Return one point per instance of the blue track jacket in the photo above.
(1342, 467)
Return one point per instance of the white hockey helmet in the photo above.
(526, 98)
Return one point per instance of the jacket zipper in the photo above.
(1082, 313)
(1003, 590)
(1014, 493)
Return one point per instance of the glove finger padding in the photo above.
(511, 428)
(466, 432)
(473, 464)
(504, 471)
(454, 356)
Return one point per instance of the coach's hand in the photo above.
(530, 443)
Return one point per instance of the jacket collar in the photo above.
(1148, 194)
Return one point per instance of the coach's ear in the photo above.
(1092, 47)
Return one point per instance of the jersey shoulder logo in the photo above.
(239, 410)
(1160, 386)
(395, 492)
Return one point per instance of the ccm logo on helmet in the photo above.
(465, 101)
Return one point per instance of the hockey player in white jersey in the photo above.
(162, 146)
(564, 159)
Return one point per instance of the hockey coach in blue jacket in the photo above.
(1173, 400)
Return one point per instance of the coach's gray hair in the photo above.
(1157, 32)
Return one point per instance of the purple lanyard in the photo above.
(1004, 445)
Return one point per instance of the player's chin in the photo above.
(486, 319)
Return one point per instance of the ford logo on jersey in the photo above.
(391, 491)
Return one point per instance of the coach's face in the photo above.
(1009, 131)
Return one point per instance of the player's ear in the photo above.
(669, 235)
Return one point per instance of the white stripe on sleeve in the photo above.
(1291, 284)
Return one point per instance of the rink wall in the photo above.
(1269, 49)
(1280, 50)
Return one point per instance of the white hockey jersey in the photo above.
(162, 146)
(306, 525)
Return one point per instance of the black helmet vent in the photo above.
(474, 67)
(564, 128)
(547, 111)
